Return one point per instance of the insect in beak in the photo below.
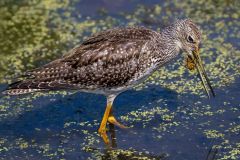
(194, 61)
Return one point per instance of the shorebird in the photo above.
(112, 61)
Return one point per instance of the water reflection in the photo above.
(113, 152)
(112, 132)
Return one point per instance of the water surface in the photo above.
(169, 115)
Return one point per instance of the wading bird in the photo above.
(115, 60)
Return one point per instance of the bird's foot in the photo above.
(112, 120)
(103, 133)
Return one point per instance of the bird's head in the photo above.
(188, 39)
(188, 35)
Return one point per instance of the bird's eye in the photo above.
(190, 39)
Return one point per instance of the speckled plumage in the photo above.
(108, 62)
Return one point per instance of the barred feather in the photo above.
(20, 91)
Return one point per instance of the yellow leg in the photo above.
(102, 128)
(108, 117)
(112, 120)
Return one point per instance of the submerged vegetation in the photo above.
(58, 126)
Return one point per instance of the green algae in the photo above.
(213, 134)
(33, 33)
(125, 154)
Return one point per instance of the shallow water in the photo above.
(169, 115)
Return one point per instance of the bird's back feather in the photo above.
(108, 59)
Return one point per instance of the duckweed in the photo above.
(33, 33)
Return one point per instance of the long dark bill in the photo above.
(202, 73)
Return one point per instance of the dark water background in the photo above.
(169, 115)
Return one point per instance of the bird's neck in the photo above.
(170, 38)
(168, 45)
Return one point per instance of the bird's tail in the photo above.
(37, 85)
(48, 77)
(22, 87)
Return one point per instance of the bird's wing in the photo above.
(100, 40)
(107, 59)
